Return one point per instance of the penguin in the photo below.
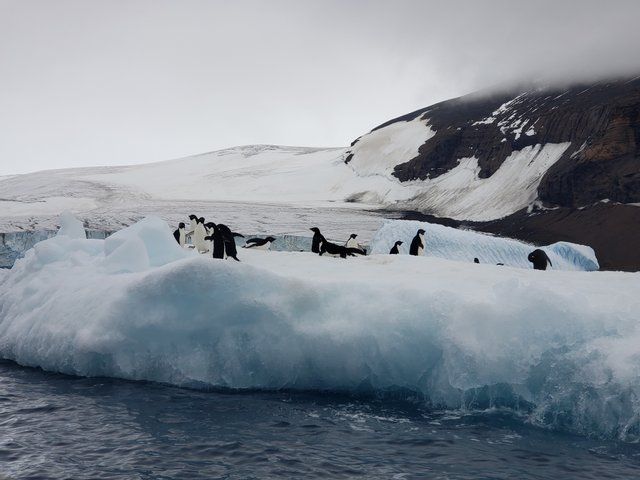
(417, 244)
(539, 258)
(475, 260)
(353, 243)
(180, 234)
(230, 249)
(217, 242)
(318, 238)
(333, 250)
(209, 229)
(260, 243)
(192, 227)
(394, 250)
(198, 236)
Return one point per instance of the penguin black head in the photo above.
(315, 229)
(353, 235)
(475, 260)
(421, 232)
(201, 220)
(270, 239)
(192, 217)
(181, 225)
(210, 225)
(398, 243)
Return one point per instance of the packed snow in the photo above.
(462, 194)
(378, 152)
(560, 347)
(465, 245)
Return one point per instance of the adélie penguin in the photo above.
(230, 249)
(353, 243)
(317, 239)
(180, 234)
(539, 258)
(333, 250)
(394, 250)
(259, 243)
(217, 242)
(417, 244)
(198, 236)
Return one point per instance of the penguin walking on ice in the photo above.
(198, 236)
(539, 258)
(217, 242)
(353, 243)
(259, 243)
(318, 238)
(417, 244)
(230, 249)
(394, 250)
(180, 234)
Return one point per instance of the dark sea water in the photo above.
(56, 426)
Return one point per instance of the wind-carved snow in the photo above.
(561, 348)
(378, 152)
(461, 194)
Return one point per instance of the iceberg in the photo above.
(465, 245)
(560, 348)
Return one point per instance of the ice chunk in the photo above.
(71, 226)
(465, 245)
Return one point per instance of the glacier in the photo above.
(561, 348)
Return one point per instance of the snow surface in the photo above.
(562, 348)
(380, 151)
(465, 245)
(462, 194)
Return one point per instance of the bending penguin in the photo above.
(394, 250)
(180, 234)
(318, 238)
(539, 258)
(260, 243)
(417, 244)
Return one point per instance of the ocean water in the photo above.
(58, 426)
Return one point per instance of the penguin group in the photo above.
(322, 246)
(208, 238)
(219, 241)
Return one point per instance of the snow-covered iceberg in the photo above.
(561, 347)
(465, 245)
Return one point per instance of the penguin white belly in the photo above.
(421, 249)
(352, 243)
(182, 239)
(266, 246)
(198, 239)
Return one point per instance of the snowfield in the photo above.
(560, 347)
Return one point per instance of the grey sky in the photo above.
(127, 81)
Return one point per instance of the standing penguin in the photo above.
(217, 242)
(539, 258)
(417, 244)
(230, 249)
(198, 236)
(209, 230)
(180, 234)
(318, 238)
(394, 250)
(353, 243)
(259, 243)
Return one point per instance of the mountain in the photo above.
(542, 164)
(538, 163)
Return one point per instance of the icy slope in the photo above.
(560, 347)
(465, 245)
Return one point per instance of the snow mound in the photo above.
(465, 245)
(562, 348)
(71, 226)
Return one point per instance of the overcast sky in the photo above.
(129, 81)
